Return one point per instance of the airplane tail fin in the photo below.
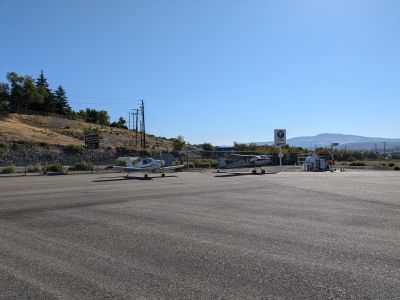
(221, 162)
(129, 162)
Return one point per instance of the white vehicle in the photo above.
(146, 166)
(255, 161)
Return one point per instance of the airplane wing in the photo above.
(251, 155)
(174, 167)
(129, 169)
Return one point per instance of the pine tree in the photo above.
(41, 81)
(43, 89)
(61, 101)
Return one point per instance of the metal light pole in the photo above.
(187, 155)
(333, 145)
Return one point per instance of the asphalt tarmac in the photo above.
(289, 235)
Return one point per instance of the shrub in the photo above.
(391, 164)
(205, 163)
(8, 170)
(396, 168)
(44, 145)
(74, 149)
(178, 143)
(82, 166)
(92, 130)
(33, 169)
(22, 144)
(125, 150)
(357, 164)
(120, 163)
(191, 165)
(55, 168)
(3, 148)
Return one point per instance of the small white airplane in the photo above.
(147, 165)
(245, 160)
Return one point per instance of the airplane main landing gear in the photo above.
(262, 171)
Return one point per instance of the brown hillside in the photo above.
(54, 130)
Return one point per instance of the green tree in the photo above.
(4, 97)
(16, 99)
(178, 143)
(242, 147)
(120, 124)
(32, 98)
(96, 117)
(208, 149)
(103, 118)
(61, 101)
(41, 81)
(48, 104)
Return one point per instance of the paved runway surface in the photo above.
(197, 236)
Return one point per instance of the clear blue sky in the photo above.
(217, 71)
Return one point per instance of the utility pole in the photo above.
(141, 134)
(143, 126)
(136, 128)
(187, 155)
(129, 121)
(384, 148)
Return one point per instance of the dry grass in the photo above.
(62, 131)
(14, 127)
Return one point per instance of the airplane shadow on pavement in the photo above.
(240, 174)
(121, 178)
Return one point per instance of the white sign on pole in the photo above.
(106, 143)
(280, 137)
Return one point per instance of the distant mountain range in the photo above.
(350, 142)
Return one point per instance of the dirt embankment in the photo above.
(61, 131)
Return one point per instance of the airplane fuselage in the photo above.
(260, 162)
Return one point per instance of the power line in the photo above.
(99, 97)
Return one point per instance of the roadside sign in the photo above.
(92, 141)
(280, 137)
(106, 143)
